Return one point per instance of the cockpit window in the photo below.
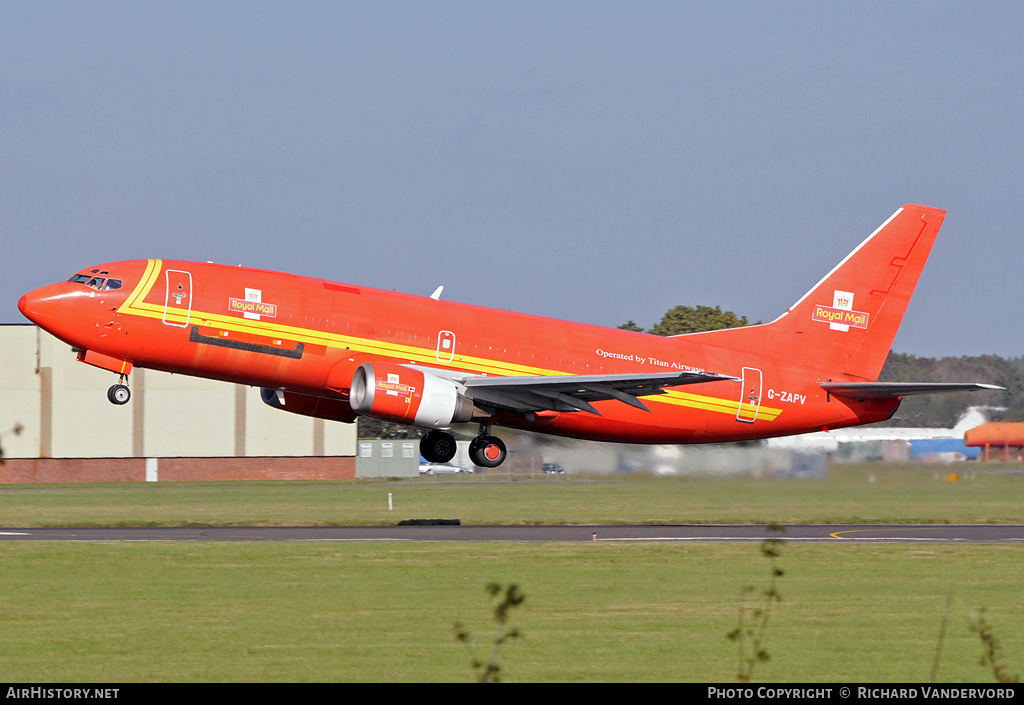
(98, 283)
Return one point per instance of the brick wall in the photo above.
(21, 470)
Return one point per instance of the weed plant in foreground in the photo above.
(751, 630)
(508, 598)
(991, 655)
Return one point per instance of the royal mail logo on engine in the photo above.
(394, 386)
(252, 305)
(840, 315)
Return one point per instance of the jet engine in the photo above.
(409, 396)
(308, 405)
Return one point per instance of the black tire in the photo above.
(438, 447)
(119, 394)
(487, 451)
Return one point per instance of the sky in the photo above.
(591, 161)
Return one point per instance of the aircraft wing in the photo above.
(887, 390)
(576, 392)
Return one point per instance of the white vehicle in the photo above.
(442, 469)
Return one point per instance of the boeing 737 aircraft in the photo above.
(336, 351)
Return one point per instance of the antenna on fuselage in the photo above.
(436, 296)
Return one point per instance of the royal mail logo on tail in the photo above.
(252, 305)
(840, 315)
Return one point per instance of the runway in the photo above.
(833, 533)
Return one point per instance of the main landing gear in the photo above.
(438, 447)
(119, 393)
(485, 450)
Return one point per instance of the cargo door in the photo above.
(445, 346)
(178, 298)
(750, 395)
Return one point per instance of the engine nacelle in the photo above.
(308, 405)
(406, 395)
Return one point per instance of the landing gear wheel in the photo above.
(487, 451)
(438, 447)
(119, 394)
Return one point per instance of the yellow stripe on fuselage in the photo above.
(716, 404)
(141, 290)
(135, 305)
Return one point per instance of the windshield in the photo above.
(95, 282)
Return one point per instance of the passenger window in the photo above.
(112, 284)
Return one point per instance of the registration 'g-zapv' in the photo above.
(336, 351)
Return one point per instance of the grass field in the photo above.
(127, 612)
(242, 612)
(850, 495)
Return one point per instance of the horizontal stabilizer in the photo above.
(888, 390)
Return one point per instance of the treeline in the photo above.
(690, 319)
(942, 410)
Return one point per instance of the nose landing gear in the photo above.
(119, 393)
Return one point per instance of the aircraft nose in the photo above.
(41, 306)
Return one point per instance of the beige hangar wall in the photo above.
(62, 407)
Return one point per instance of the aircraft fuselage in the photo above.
(285, 332)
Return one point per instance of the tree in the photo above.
(16, 430)
(388, 430)
(689, 319)
(943, 410)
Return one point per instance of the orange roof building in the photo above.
(997, 434)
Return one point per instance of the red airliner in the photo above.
(336, 351)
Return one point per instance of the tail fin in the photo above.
(847, 322)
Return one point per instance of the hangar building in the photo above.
(174, 427)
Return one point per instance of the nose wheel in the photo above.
(119, 393)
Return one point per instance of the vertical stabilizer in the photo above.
(847, 322)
